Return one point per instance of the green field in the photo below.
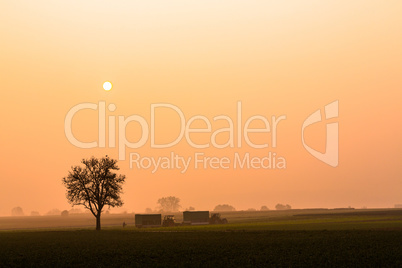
(365, 238)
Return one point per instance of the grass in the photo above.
(116, 248)
(294, 238)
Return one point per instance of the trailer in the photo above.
(148, 220)
(195, 217)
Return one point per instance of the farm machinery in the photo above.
(169, 221)
(189, 218)
(217, 219)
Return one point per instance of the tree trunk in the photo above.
(98, 222)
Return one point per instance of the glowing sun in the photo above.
(107, 86)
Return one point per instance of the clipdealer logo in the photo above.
(331, 155)
(238, 130)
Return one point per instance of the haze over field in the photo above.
(277, 59)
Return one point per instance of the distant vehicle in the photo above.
(217, 219)
(189, 218)
(169, 221)
(195, 217)
(148, 220)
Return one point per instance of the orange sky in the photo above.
(276, 58)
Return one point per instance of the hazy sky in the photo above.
(277, 58)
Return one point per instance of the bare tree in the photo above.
(170, 203)
(95, 186)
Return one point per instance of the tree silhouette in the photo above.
(35, 213)
(282, 207)
(54, 211)
(264, 208)
(170, 203)
(149, 210)
(64, 213)
(95, 186)
(224, 207)
(17, 211)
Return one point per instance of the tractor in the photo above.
(216, 219)
(169, 221)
